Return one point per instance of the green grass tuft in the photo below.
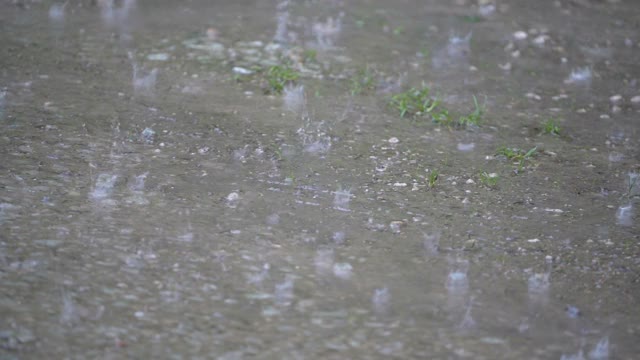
(279, 76)
(473, 118)
(517, 155)
(490, 180)
(363, 81)
(433, 178)
(551, 127)
(414, 102)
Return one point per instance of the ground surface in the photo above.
(159, 198)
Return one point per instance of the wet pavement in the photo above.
(251, 179)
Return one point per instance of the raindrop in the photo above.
(381, 300)
(56, 12)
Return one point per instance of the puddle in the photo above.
(319, 179)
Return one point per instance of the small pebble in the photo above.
(572, 311)
(241, 71)
(158, 57)
(520, 35)
(616, 99)
(540, 40)
(533, 96)
(148, 135)
(396, 226)
(635, 99)
(393, 140)
(505, 67)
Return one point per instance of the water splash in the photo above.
(467, 321)
(466, 147)
(341, 199)
(57, 12)
(601, 351)
(327, 32)
(294, 99)
(116, 13)
(138, 182)
(273, 219)
(381, 300)
(314, 136)
(258, 278)
(633, 184)
(104, 186)
(324, 261)
(233, 199)
(69, 314)
(343, 270)
(538, 286)
(3, 96)
(338, 237)
(457, 281)
(457, 285)
(143, 81)
(578, 356)
(579, 76)
(136, 185)
(282, 19)
(284, 291)
(624, 215)
(456, 52)
(431, 243)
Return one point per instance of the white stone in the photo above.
(241, 71)
(616, 98)
(520, 35)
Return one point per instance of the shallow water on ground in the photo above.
(160, 199)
